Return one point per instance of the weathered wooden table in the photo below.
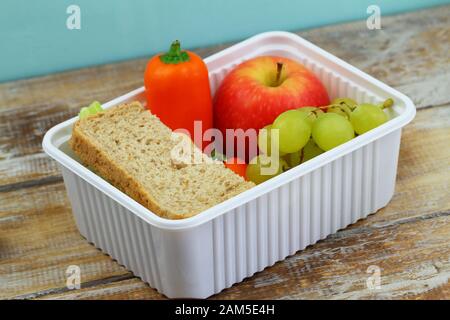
(409, 239)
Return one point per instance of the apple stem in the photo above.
(279, 70)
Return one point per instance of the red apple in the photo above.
(254, 93)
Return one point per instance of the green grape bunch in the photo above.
(305, 133)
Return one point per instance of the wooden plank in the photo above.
(28, 170)
(410, 53)
(409, 240)
(127, 289)
(39, 240)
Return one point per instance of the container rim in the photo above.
(49, 145)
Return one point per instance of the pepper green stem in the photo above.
(175, 54)
(175, 48)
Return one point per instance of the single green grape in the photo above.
(84, 113)
(366, 117)
(331, 130)
(294, 130)
(284, 165)
(263, 167)
(265, 141)
(310, 151)
(312, 113)
(293, 159)
(345, 101)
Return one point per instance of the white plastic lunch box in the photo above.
(200, 256)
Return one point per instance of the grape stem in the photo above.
(344, 108)
(312, 112)
(351, 107)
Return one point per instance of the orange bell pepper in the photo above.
(178, 91)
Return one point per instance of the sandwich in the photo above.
(160, 169)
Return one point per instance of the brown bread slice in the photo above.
(136, 152)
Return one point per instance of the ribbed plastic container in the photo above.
(202, 255)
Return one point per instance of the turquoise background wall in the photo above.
(35, 40)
